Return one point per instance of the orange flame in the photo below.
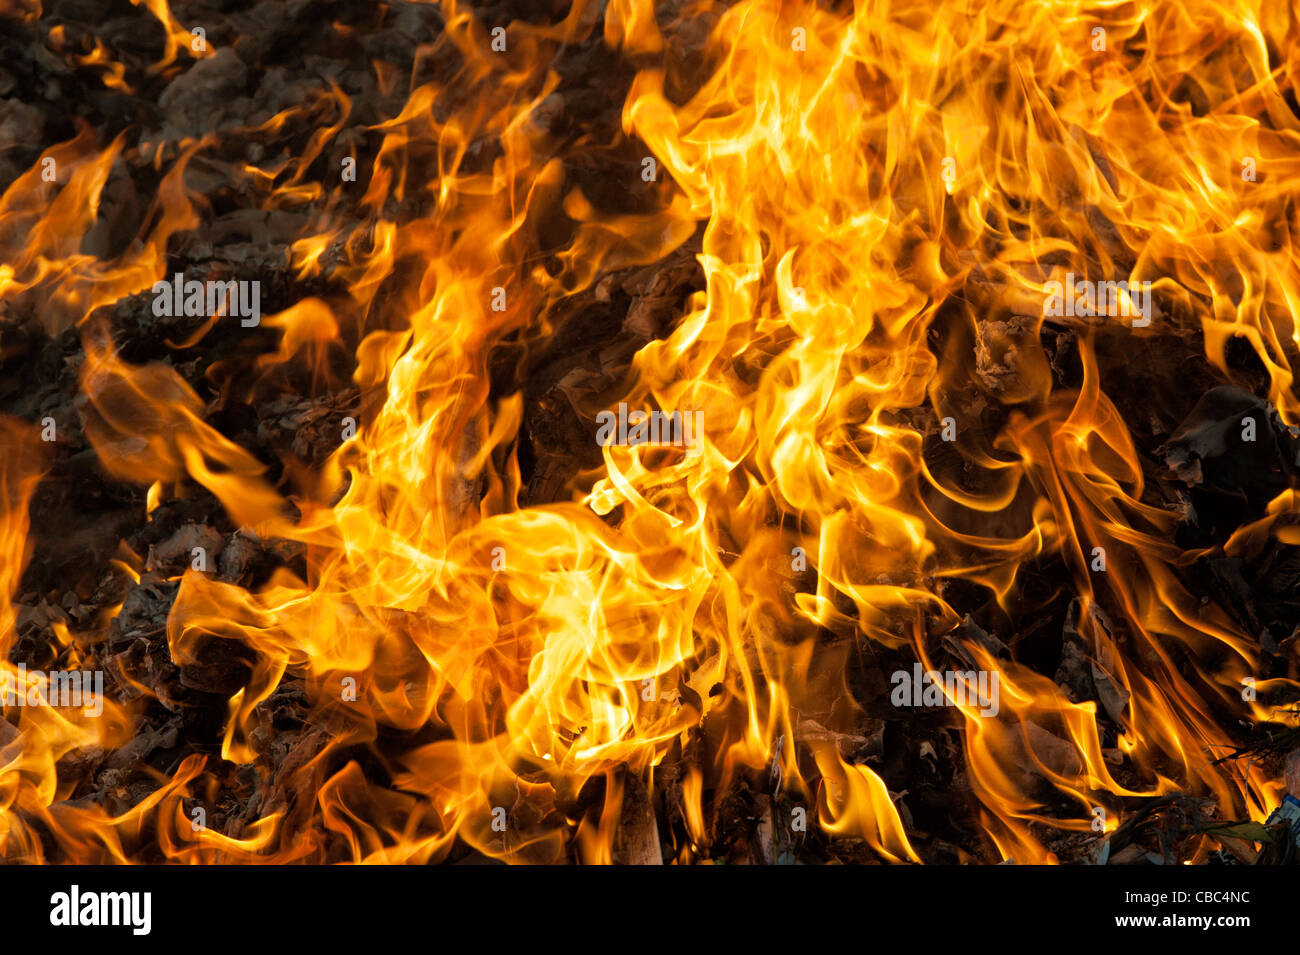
(883, 199)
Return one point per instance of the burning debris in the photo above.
(738, 432)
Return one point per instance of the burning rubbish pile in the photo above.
(756, 432)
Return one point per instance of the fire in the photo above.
(890, 431)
